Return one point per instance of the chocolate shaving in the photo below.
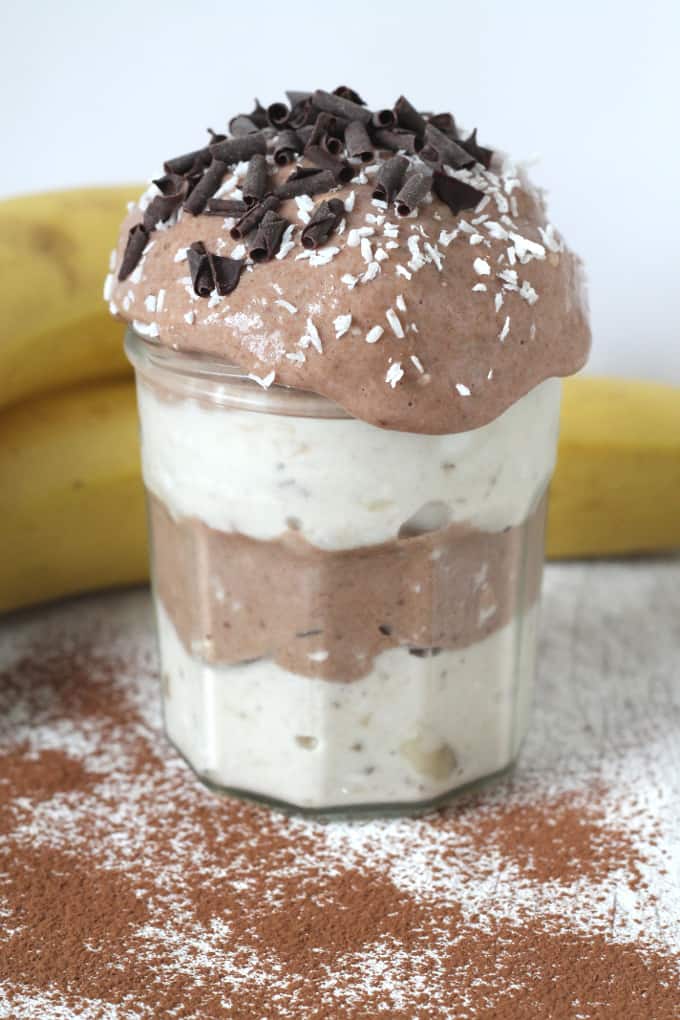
(482, 155)
(196, 202)
(383, 118)
(199, 267)
(457, 194)
(259, 115)
(138, 238)
(235, 150)
(268, 237)
(442, 149)
(327, 124)
(173, 191)
(241, 125)
(225, 207)
(212, 272)
(254, 217)
(340, 168)
(415, 188)
(305, 133)
(170, 184)
(226, 273)
(330, 102)
(256, 179)
(286, 147)
(294, 98)
(408, 117)
(322, 223)
(161, 209)
(445, 122)
(278, 114)
(345, 92)
(306, 181)
(302, 114)
(215, 136)
(357, 141)
(335, 146)
(300, 172)
(390, 178)
(394, 139)
(185, 163)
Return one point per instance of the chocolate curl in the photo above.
(215, 136)
(138, 238)
(196, 202)
(259, 115)
(442, 149)
(306, 181)
(302, 114)
(241, 125)
(383, 118)
(295, 98)
(323, 222)
(185, 163)
(357, 141)
(256, 180)
(394, 139)
(225, 207)
(305, 134)
(390, 178)
(212, 272)
(415, 188)
(340, 168)
(446, 124)
(199, 268)
(345, 92)
(235, 150)
(457, 194)
(408, 117)
(286, 147)
(268, 238)
(173, 190)
(329, 102)
(332, 145)
(278, 114)
(254, 217)
(482, 155)
(326, 124)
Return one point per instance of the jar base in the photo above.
(352, 812)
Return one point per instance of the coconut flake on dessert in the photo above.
(395, 374)
(505, 330)
(287, 305)
(481, 267)
(395, 323)
(374, 334)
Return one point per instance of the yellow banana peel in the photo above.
(616, 488)
(55, 329)
(71, 495)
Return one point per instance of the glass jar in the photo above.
(346, 615)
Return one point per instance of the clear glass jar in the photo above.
(346, 615)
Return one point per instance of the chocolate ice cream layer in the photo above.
(327, 614)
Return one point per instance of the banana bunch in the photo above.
(71, 497)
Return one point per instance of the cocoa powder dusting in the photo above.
(129, 891)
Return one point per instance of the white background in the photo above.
(101, 92)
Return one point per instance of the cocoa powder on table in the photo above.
(125, 886)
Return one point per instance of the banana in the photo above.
(616, 488)
(71, 495)
(72, 500)
(54, 251)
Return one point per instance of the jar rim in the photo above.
(195, 374)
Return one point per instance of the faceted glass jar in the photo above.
(346, 615)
